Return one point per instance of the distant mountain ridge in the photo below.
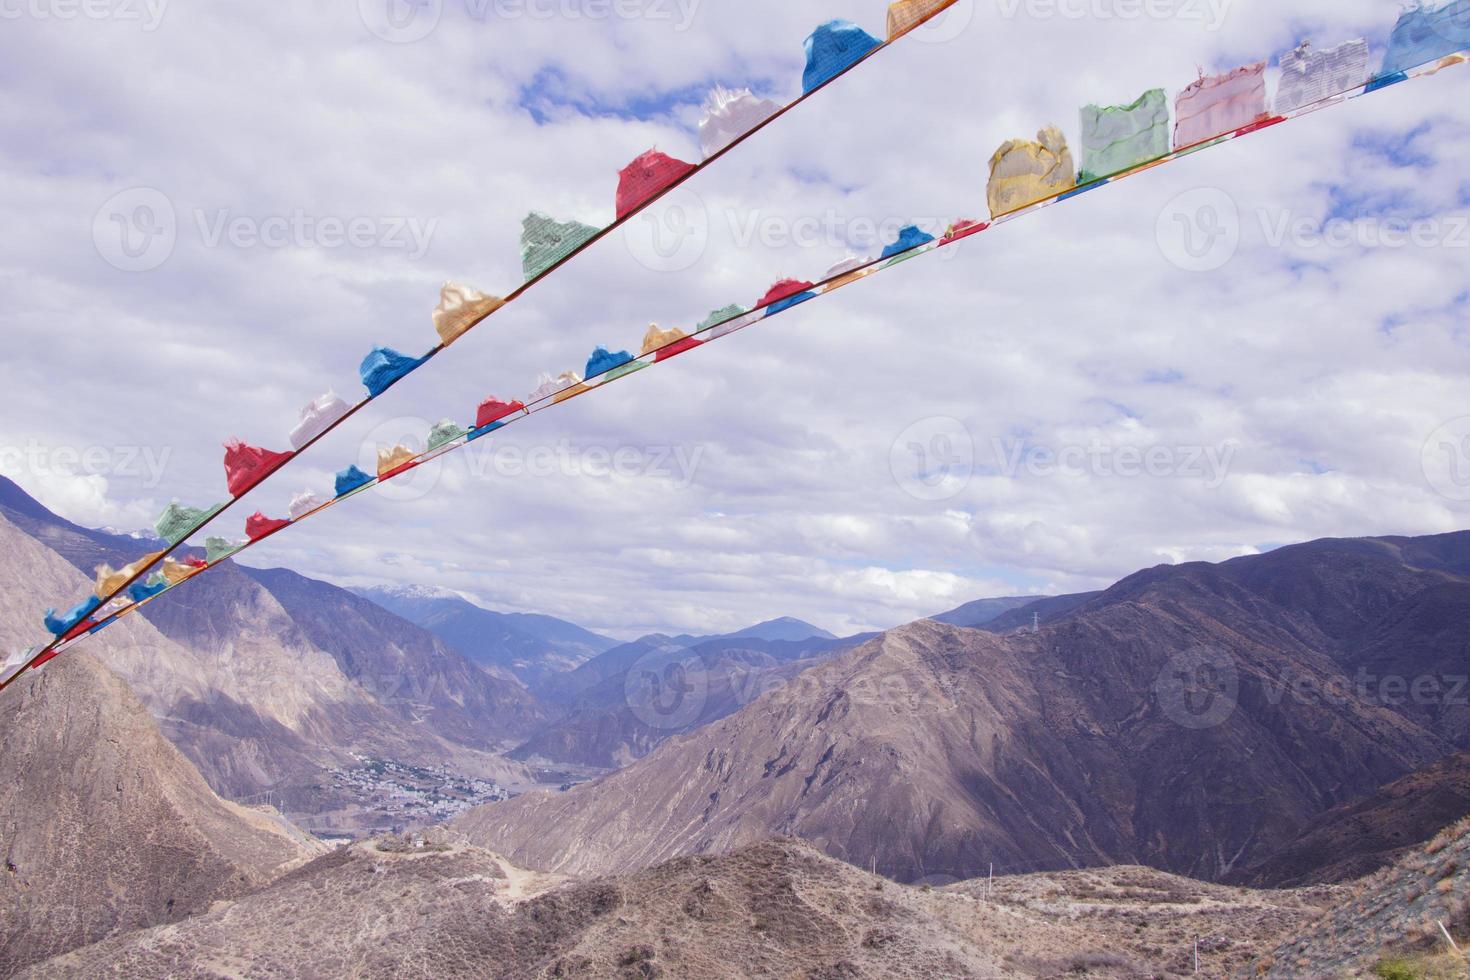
(530, 646)
(1160, 722)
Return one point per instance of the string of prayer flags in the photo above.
(1309, 76)
(784, 295)
(247, 466)
(257, 525)
(905, 15)
(384, 366)
(1119, 138)
(351, 479)
(1219, 104)
(833, 48)
(646, 177)
(545, 242)
(459, 309)
(1023, 172)
(729, 115)
(1426, 39)
(319, 415)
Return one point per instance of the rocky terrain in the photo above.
(434, 906)
(1392, 923)
(260, 700)
(1354, 840)
(1193, 718)
(105, 827)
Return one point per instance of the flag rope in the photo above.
(209, 517)
(659, 354)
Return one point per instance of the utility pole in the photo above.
(990, 884)
(1036, 622)
(1196, 954)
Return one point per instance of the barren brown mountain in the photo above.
(1357, 839)
(257, 698)
(1188, 718)
(776, 909)
(104, 826)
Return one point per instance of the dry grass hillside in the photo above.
(438, 907)
(1388, 924)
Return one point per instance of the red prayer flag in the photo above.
(246, 466)
(645, 177)
(492, 410)
(257, 526)
(784, 289)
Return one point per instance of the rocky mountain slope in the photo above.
(259, 701)
(779, 909)
(1392, 923)
(1354, 840)
(104, 826)
(1188, 719)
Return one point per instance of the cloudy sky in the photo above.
(886, 453)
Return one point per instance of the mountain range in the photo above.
(1194, 718)
(269, 682)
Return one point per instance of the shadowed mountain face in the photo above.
(411, 671)
(1192, 718)
(1356, 839)
(529, 646)
(259, 699)
(621, 705)
(104, 826)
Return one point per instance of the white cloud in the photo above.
(1326, 368)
